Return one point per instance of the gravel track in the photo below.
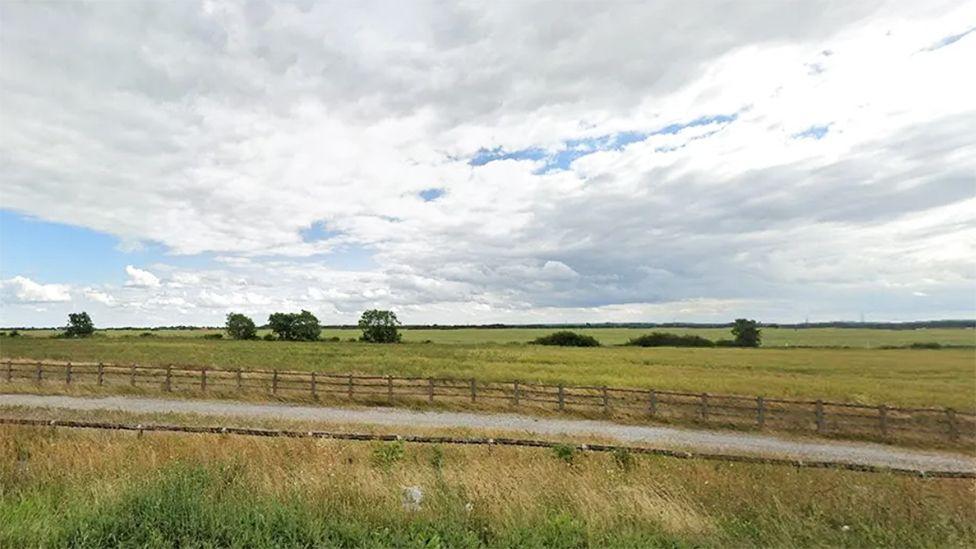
(728, 442)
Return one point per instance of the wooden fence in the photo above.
(737, 411)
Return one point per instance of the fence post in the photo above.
(606, 400)
(169, 378)
(389, 389)
(760, 412)
(474, 391)
(274, 382)
(240, 379)
(653, 403)
(203, 379)
(67, 374)
(562, 397)
(39, 372)
(883, 419)
(515, 391)
(101, 374)
(704, 406)
(132, 375)
(315, 394)
(953, 428)
(350, 385)
(820, 416)
(430, 389)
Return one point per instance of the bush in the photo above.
(14, 333)
(725, 343)
(663, 339)
(567, 339)
(379, 326)
(746, 333)
(564, 452)
(213, 336)
(925, 345)
(301, 326)
(388, 454)
(79, 325)
(269, 337)
(240, 327)
(147, 334)
(623, 458)
(334, 339)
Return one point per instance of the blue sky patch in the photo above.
(429, 195)
(813, 132)
(318, 231)
(573, 149)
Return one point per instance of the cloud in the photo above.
(100, 297)
(139, 278)
(608, 157)
(24, 290)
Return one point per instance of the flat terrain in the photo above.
(98, 489)
(772, 337)
(579, 430)
(900, 377)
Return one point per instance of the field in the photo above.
(772, 337)
(95, 489)
(898, 377)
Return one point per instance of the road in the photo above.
(727, 442)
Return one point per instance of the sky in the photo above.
(166, 163)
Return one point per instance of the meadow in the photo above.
(97, 489)
(898, 377)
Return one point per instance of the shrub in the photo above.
(567, 339)
(564, 452)
(663, 339)
(79, 325)
(13, 333)
(240, 327)
(725, 343)
(746, 333)
(147, 334)
(925, 345)
(379, 326)
(269, 337)
(213, 336)
(301, 326)
(388, 454)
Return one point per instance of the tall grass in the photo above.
(106, 490)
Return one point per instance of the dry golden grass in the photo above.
(510, 491)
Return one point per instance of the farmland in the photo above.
(142, 490)
(906, 377)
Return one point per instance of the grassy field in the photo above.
(772, 337)
(97, 489)
(945, 377)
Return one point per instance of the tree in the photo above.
(240, 327)
(379, 326)
(295, 326)
(79, 325)
(746, 333)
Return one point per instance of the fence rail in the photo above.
(817, 416)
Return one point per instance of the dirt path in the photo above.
(662, 437)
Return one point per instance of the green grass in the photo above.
(772, 337)
(904, 377)
(220, 491)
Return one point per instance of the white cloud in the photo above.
(24, 290)
(139, 278)
(100, 297)
(232, 130)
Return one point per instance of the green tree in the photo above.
(240, 327)
(746, 333)
(379, 326)
(295, 326)
(79, 325)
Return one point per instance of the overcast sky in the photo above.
(168, 162)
